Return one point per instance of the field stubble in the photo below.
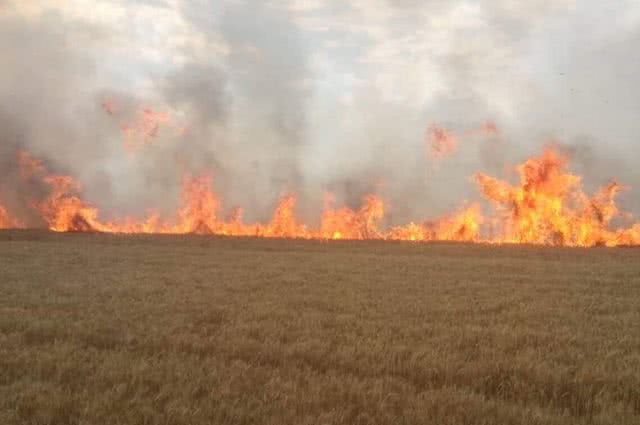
(108, 329)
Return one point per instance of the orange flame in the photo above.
(443, 142)
(143, 131)
(29, 166)
(8, 222)
(463, 226)
(64, 211)
(200, 207)
(5, 221)
(547, 206)
(345, 223)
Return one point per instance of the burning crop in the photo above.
(6, 221)
(547, 206)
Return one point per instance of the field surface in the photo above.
(98, 329)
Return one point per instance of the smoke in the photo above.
(44, 106)
(268, 83)
(314, 96)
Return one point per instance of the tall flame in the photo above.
(345, 223)
(64, 211)
(8, 222)
(547, 206)
(199, 207)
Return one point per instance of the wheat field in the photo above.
(108, 329)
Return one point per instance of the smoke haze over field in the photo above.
(308, 96)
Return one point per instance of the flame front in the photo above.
(547, 206)
(345, 223)
(8, 222)
(463, 226)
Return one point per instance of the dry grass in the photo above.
(98, 329)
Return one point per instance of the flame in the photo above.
(441, 141)
(549, 207)
(29, 166)
(284, 224)
(145, 128)
(7, 221)
(143, 131)
(200, 206)
(345, 223)
(463, 226)
(546, 206)
(64, 211)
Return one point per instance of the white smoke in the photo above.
(314, 96)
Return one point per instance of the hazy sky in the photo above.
(310, 95)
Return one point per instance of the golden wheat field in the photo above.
(108, 329)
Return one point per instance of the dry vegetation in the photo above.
(98, 329)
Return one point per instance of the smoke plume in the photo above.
(308, 97)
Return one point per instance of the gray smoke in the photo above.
(307, 97)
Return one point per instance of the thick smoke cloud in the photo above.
(314, 96)
(44, 106)
(267, 83)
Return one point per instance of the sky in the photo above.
(309, 96)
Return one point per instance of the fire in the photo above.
(200, 207)
(345, 223)
(549, 207)
(64, 211)
(441, 141)
(145, 127)
(29, 166)
(546, 206)
(143, 131)
(284, 223)
(8, 222)
(5, 222)
(463, 226)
